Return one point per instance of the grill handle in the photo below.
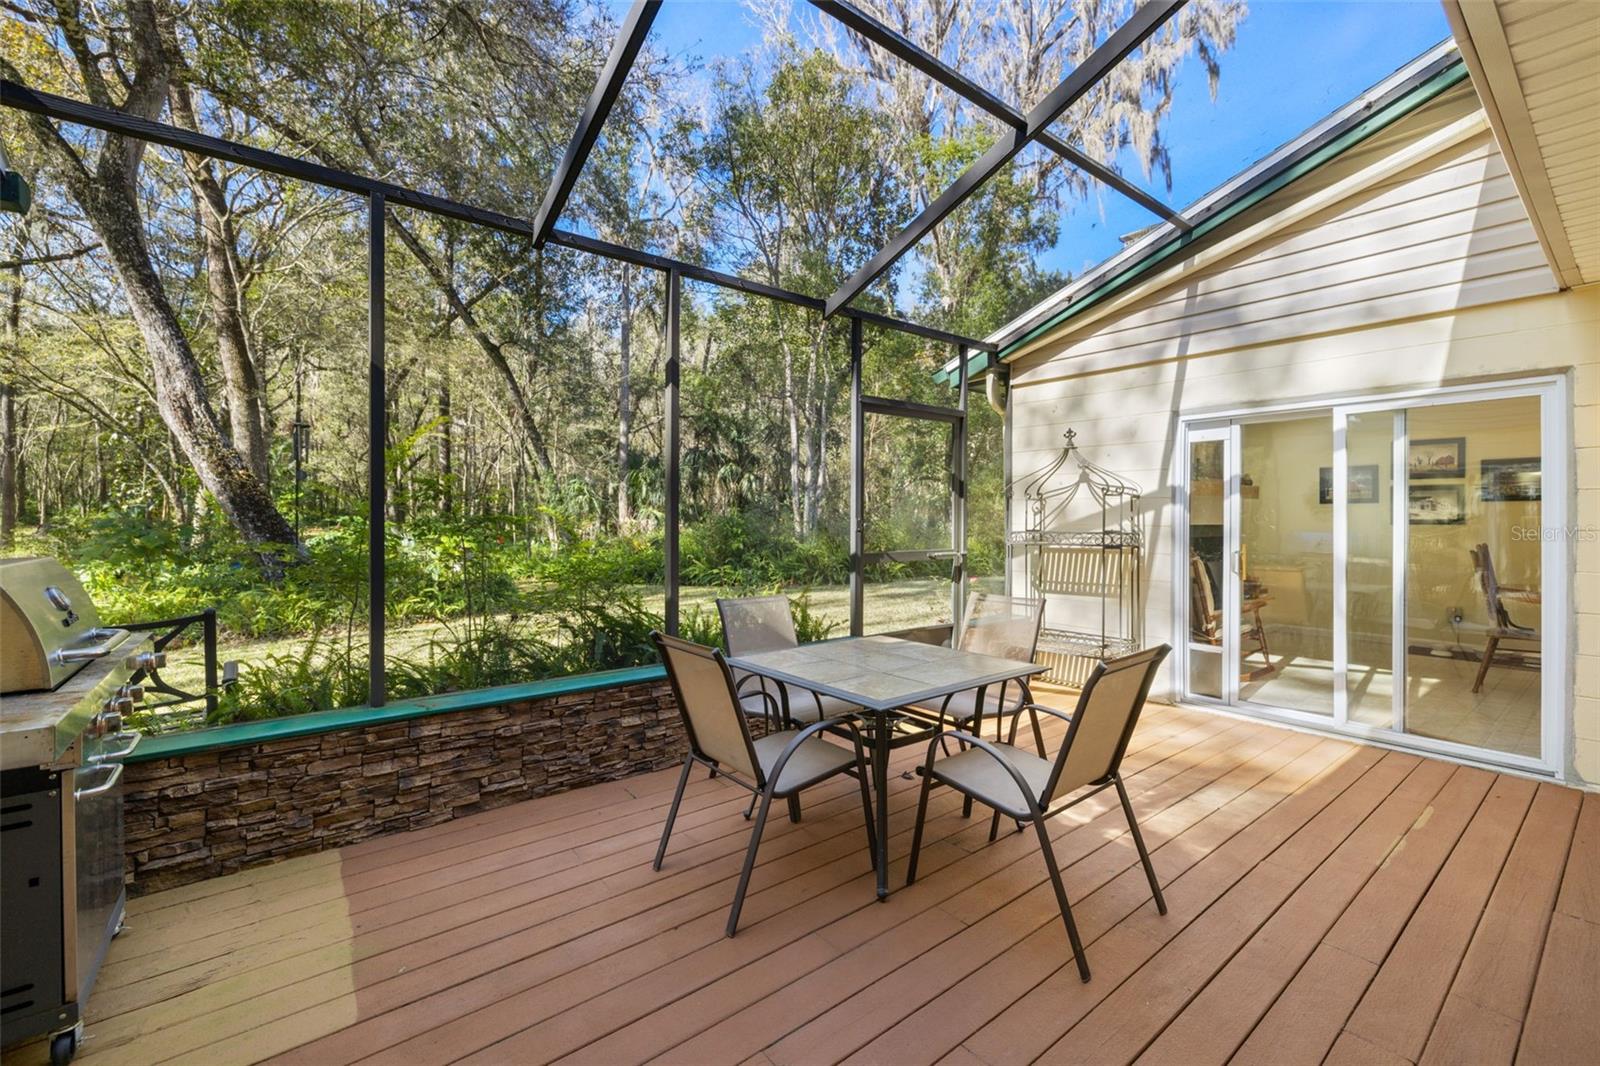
(84, 652)
(129, 737)
(105, 786)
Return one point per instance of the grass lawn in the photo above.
(888, 606)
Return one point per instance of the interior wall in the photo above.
(1439, 566)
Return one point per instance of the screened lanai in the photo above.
(418, 402)
(1076, 131)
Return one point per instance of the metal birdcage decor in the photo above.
(1082, 551)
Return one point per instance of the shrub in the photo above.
(574, 631)
(741, 550)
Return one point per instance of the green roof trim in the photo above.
(977, 363)
(1396, 109)
(165, 746)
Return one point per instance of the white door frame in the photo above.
(1227, 435)
(1555, 562)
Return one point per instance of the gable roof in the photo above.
(1400, 94)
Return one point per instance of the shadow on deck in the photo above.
(1328, 902)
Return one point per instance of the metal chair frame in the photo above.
(763, 788)
(777, 706)
(1036, 608)
(1039, 807)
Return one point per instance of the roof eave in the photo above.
(1434, 72)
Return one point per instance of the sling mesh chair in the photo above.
(753, 624)
(1023, 786)
(778, 765)
(1006, 627)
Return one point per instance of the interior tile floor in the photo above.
(1440, 703)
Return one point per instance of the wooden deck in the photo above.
(1329, 903)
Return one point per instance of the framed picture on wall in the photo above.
(1363, 485)
(1438, 505)
(1441, 457)
(1510, 480)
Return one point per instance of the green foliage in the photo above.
(524, 516)
(321, 675)
(623, 560)
(137, 568)
(574, 630)
(749, 550)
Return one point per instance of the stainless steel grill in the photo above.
(66, 685)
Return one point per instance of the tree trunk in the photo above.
(109, 197)
(624, 401)
(180, 390)
(491, 348)
(446, 459)
(247, 420)
(791, 411)
(8, 402)
(815, 432)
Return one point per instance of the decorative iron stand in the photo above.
(1075, 564)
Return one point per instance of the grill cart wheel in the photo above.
(63, 1046)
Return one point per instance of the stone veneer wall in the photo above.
(203, 814)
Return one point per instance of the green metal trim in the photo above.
(1375, 122)
(977, 363)
(302, 725)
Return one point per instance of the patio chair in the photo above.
(778, 765)
(1205, 617)
(1025, 787)
(752, 624)
(1501, 627)
(1006, 627)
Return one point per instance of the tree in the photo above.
(1019, 50)
(799, 195)
(346, 84)
(107, 191)
(246, 403)
(9, 450)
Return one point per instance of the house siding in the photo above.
(1425, 276)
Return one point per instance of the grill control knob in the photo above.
(119, 706)
(150, 660)
(110, 723)
(134, 693)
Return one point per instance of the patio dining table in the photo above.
(880, 674)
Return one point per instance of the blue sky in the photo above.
(1293, 62)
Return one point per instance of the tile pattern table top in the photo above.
(882, 673)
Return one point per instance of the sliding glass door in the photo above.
(1206, 569)
(1381, 568)
(1285, 572)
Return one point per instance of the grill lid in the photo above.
(48, 625)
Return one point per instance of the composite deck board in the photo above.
(1165, 816)
(1221, 1015)
(1399, 1008)
(549, 1015)
(1309, 1014)
(1092, 851)
(1328, 902)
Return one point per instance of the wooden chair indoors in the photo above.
(1205, 619)
(1501, 627)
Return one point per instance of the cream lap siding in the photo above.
(1447, 236)
(1430, 276)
